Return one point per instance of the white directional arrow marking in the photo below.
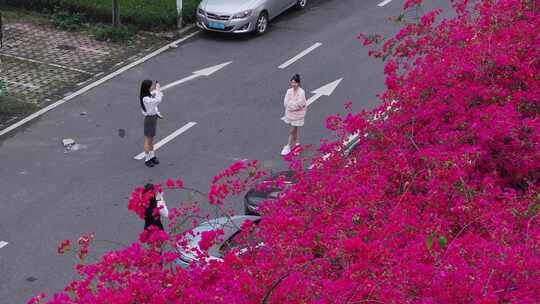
(204, 72)
(385, 2)
(3, 244)
(325, 90)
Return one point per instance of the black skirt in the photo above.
(150, 125)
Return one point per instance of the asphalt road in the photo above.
(49, 195)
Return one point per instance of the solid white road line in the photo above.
(3, 244)
(94, 84)
(300, 55)
(385, 2)
(168, 138)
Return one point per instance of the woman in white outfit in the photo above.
(295, 111)
(150, 98)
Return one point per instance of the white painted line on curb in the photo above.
(300, 55)
(94, 84)
(47, 63)
(93, 50)
(385, 2)
(168, 138)
(3, 244)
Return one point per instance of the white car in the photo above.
(242, 16)
(190, 251)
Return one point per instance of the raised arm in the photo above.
(162, 206)
(154, 99)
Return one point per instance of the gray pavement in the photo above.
(49, 195)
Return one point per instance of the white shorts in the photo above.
(294, 123)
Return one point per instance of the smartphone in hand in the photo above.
(159, 196)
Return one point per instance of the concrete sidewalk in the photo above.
(40, 64)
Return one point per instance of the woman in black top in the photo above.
(152, 218)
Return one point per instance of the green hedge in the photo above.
(146, 14)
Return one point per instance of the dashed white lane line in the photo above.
(168, 138)
(385, 2)
(300, 55)
(3, 244)
(96, 83)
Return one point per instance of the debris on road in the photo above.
(70, 145)
(68, 142)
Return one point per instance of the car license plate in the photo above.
(216, 25)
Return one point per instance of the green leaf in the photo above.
(443, 241)
(429, 241)
(533, 209)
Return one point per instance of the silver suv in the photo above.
(242, 16)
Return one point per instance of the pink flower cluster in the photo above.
(439, 202)
(227, 182)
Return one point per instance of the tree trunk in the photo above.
(115, 13)
(1, 32)
(179, 22)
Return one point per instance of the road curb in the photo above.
(104, 79)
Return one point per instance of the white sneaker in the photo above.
(286, 150)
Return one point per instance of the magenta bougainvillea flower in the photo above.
(438, 203)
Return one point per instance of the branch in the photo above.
(269, 292)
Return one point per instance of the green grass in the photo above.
(145, 14)
(11, 105)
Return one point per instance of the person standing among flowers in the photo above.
(295, 111)
(150, 97)
(157, 208)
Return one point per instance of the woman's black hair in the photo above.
(153, 201)
(149, 218)
(296, 78)
(148, 187)
(145, 91)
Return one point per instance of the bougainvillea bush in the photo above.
(439, 203)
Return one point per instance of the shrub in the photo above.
(189, 9)
(120, 33)
(145, 14)
(67, 21)
(11, 105)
